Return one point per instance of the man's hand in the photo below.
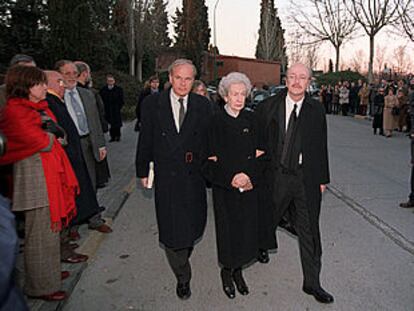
(323, 188)
(102, 153)
(144, 182)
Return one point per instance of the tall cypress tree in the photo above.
(192, 30)
(271, 42)
(27, 21)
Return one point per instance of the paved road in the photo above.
(368, 261)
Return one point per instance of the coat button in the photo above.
(249, 157)
(163, 134)
(173, 173)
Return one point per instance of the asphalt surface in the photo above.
(368, 242)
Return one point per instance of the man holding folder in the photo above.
(173, 127)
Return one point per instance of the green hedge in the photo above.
(129, 84)
(334, 77)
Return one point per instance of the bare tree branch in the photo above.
(373, 15)
(324, 20)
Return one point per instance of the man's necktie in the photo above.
(287, 146)
(181, 113)
(80, 116)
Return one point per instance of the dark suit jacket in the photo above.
(86, 202)
(92, 115)
(113, 102)
(314, 150)
(180, 197)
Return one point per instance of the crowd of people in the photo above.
(53, 123)
(387, 102)
(267, 168)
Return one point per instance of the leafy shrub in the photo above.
(334, 77)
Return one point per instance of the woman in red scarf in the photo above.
(44, 184)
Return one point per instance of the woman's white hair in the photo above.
(233, 78)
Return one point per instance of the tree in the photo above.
(358, 60)
(26, 27)
(324, 20)
(406, 18)
(192, 30)
(373, 15)
(271, 42)
(312, 57)
(380, 53)
(401, 60)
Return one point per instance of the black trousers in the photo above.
(115, 132)
(180, 263)
(289, 188)
(411, 196)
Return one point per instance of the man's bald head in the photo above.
(55, 83)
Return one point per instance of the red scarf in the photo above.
(21, 123)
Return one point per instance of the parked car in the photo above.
(256, 97)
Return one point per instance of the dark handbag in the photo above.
(395, 111)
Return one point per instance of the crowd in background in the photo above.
(386, 102)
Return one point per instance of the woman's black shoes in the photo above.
(263, 256)
(228, 286)
(240, 283)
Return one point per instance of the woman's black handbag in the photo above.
(395, 111)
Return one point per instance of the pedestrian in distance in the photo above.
(296, 137)
(173, 129)
(378, 111)
(113, 98)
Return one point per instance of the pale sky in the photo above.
(237, 23)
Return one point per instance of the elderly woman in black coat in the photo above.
(233, 150)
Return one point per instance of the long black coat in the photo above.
(113, 101)
(313, 130)
(234, 142)
(180, 195)
(86, 202)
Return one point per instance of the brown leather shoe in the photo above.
(56, 296)
(76, 258)
(64, 275)
(103, 228)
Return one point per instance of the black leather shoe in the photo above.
(183, 290)
(408, 204)
(263, 256)
(240, 283)
(228, 286)
(320, 294)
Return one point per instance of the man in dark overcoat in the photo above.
(113, 99)
(410, 202)
(173, 128)
(296, 134)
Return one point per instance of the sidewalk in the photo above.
(121, 157)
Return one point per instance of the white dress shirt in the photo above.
(68, 102)
(175, 105)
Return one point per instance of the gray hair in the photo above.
(233, 78)
(180, 62)
(82, 66)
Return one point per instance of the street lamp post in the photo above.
(215, 41)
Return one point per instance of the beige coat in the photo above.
(390, 121)
(364, 96)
